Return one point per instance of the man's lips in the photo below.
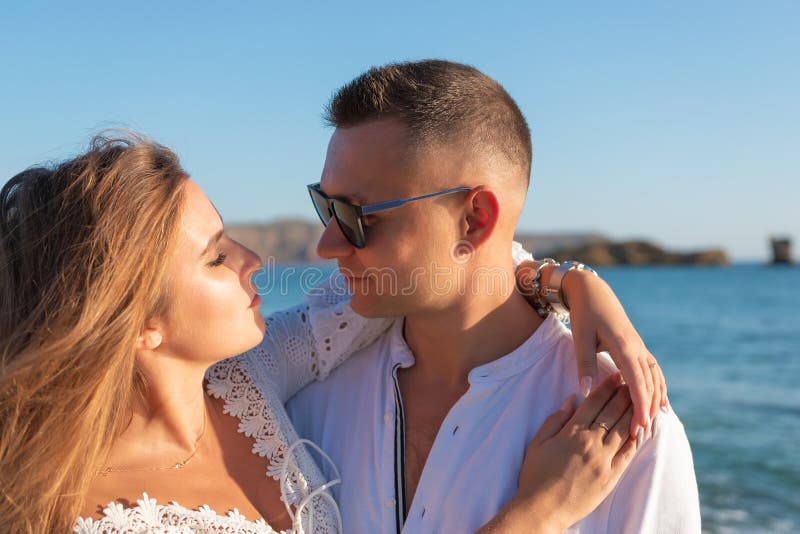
(349, 274)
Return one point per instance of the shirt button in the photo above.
(389, 503)
(387, 418)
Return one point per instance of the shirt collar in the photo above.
(400, 353)
(523, 357)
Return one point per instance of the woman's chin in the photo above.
(247, 339)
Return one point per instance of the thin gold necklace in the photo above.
(106, 471)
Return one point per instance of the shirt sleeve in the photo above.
(519, 254)
(306, 342)
(658, 491)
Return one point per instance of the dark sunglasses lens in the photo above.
(321, 205)
(347, 217)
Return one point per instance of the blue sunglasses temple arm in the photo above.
(389, 204)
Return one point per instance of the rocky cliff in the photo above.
(636, 253)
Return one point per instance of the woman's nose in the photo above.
(250, 263)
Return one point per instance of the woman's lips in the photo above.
(256, 301)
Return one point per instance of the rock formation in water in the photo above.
(639, 253)
(781, 250)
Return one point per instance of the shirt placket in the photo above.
(399, 500)
(444, 460)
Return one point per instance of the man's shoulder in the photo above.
(557, 356)
(668, 434)
(665, 456)
(658, 490)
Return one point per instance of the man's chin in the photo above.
(370, 306)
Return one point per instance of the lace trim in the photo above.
(272, 431)
(151, 517)
(228, 380)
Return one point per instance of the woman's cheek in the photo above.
(225, 294)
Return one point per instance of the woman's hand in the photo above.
(572, 464)
(599, 323)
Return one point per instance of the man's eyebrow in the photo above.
(357, 199)
(214, 240)
(354, 198)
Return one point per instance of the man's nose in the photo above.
(332, 243)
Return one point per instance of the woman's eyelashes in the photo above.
(220, 259)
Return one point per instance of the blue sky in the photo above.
(674, 121)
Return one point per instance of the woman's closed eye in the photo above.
(220, 259)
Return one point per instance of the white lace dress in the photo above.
(302, 344)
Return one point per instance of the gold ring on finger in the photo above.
(604, 427)
(651, 365)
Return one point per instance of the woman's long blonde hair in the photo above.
(82, 252)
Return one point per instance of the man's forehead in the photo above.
(368, 162)
(375, 161)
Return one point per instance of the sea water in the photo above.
(728, 340)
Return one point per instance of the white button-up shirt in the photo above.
(474, 463)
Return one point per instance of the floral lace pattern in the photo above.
(150, 517)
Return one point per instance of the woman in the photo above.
(119, 289)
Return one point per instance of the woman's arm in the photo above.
(572, 464)
(599, 323)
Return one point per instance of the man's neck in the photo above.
(448, 344)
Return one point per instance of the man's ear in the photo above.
(150, 338)
(483, 212)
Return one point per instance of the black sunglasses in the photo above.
(350, 218)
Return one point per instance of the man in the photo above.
(430, 423)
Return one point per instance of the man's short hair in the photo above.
(440, 102)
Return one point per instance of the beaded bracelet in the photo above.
(541, 304)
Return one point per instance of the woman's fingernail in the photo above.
(639, 437)
(664, 409)
(648, 424)
(586, 385)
